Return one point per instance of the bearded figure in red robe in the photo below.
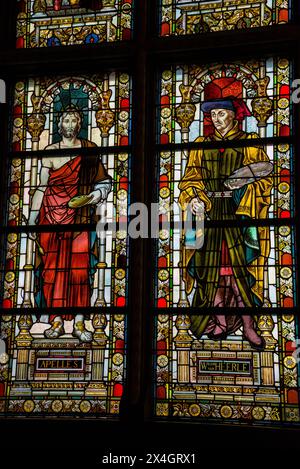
(64, 259)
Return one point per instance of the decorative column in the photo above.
(183, 342)
(105, 118)
(35, 126)
(185, 114)
(262, 107)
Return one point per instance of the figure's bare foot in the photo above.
(82, 333)
(218, 333)
(255, 340)
(55, 331)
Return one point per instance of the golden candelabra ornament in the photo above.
(99, 324)
(262, 106)
(108, 4)
(39, 6)
(265, 324)
(36, 121)
(24, 337)
(183, 339)
(105, 117)
(74, 3)
(185, 112)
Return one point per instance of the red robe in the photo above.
(65, 264)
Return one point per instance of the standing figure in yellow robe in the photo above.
(229, 184)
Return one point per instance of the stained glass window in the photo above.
(50, 23)
(203, 16)
(216, 122)
(65, 272)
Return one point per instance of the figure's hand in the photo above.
(32, 221)
(197, 206)
(96, 197)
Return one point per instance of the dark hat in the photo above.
(219, 103)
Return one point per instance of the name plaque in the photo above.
(231, 367)
(60, 364)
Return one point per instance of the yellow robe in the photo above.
(254, 203)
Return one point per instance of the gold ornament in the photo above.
(162, 361)
(12, 237)
(183, 339)
(185, 112)
(258, 413)
(36, 121)
(265, 324)
(117, 359)
(119, 317)
(284, 231)
(226, 411)
(9, 277)
(99, 324)
(108, 4)
(74, 3)
(120, 274)
(39, 6)
(162, 409)
(24, 337)
(283, 187)
(123, 157)
(288, 318)
(122, 194)
(105, 117)
(57, 406)
(262, 106)
(194, 410)
(28, 406)
(289, 362)
(163, 275)
(164, 192)
(85, 406)
(286, 272)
